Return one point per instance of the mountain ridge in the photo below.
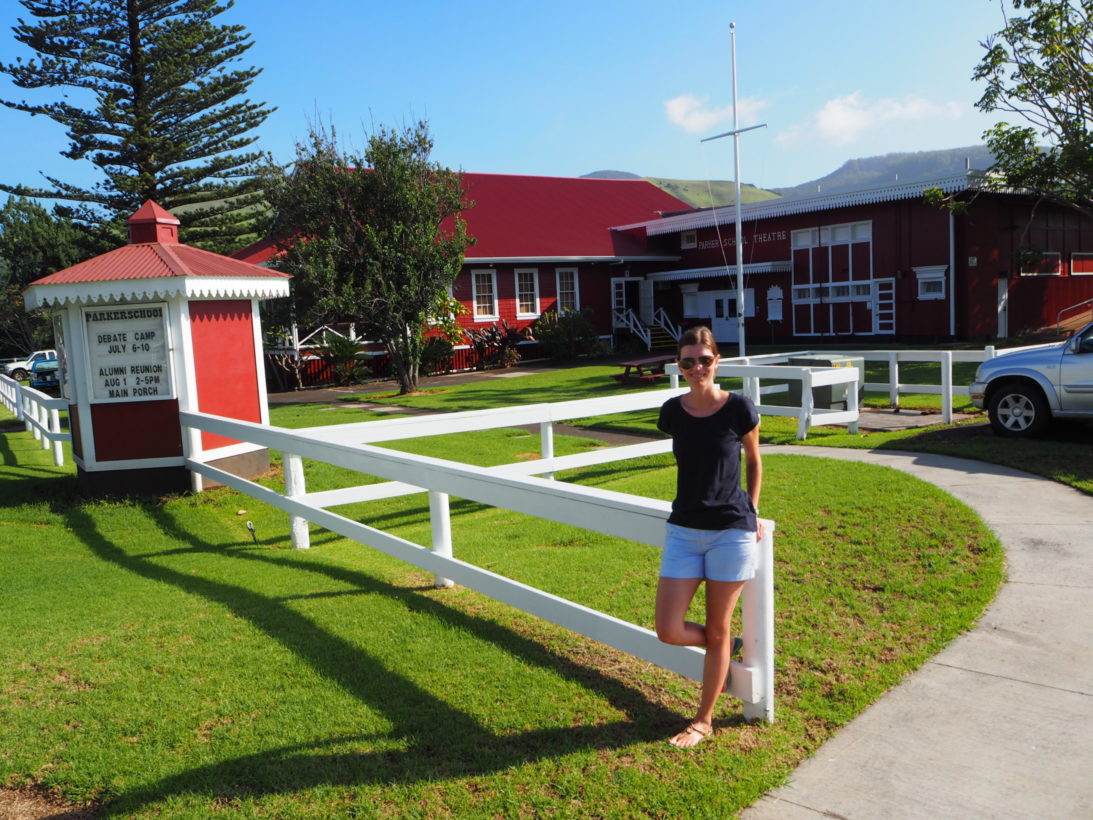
(852, 175)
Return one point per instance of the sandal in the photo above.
(691, 730)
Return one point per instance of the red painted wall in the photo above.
(224, 363)
(136, 429)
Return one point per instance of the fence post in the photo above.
(441, 523)
(893, 379)
(18, 401)
(55, 429)
(546, 443)
(989, 352)
(804, 420)
(296, 486)
(757, 614)
(947, 387)
(852, 400)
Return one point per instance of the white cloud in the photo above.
(846, 119)
(694, 116)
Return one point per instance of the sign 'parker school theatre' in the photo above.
(128, 352)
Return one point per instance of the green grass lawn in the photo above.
(157, 662)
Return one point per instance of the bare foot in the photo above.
(691, 736)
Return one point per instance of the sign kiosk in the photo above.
(147, 330)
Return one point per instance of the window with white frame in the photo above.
(774, 304)
(527, 293)
(1081, 264)
(568, 293)
(688, 239)
(808, 238)
(1047, 263)
(485, 295)
(931, 281)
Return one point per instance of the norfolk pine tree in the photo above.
(374, 239)
(153, 104)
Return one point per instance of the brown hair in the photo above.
(699, 335)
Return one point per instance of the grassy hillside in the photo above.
(702, 194)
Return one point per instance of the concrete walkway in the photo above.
(1000, 723)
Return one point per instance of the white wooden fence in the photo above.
(40, 413)
(520, 487)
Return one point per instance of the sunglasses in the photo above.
(688, 363)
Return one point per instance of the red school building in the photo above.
(875, 263)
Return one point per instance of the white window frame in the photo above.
(534, 274)
(558, 272)
(929, 277)
(774, 304)
(493, 316)
(807, 238)
(688, 240)
(1056, 255)
(1080, 255)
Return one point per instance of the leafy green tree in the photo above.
(164, 117)
(33, 244)
(374, 239)
(1038, 67)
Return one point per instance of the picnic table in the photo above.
(643, 371)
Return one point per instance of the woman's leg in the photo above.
(721, 599)
(674, 596)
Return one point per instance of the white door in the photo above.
(720, 306)
(884, 306)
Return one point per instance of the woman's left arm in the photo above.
(753, 470)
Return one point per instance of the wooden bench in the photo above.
(643, 371)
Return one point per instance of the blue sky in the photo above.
(563, 88)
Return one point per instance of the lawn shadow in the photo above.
(439, 741)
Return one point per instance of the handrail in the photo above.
(628, 319)
(1059, 315)
(662, 320)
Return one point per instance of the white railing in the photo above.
(40, 413)
(893, 386)
(808, 415)
(662, 320)
(628, 320)
(521, 487)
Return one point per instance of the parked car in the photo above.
(20, 368)
(1024, 390)
(44, 374)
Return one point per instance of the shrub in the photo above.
(342, 355)
(567, 334)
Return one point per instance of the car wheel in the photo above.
(18, 374)
(1018, 409)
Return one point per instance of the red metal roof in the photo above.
(551, 217)
(530, 217)
(156, 260)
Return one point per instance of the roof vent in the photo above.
(151, 223)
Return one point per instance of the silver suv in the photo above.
(1022, 391)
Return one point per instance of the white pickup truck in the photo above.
(20, 369)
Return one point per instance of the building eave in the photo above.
(135, 290)
(708, 218)
(552, 260)
(784, 266)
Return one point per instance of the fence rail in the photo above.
(524, 487)
(39, 412)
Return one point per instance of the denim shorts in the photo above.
(717, 555)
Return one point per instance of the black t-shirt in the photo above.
(707, 451)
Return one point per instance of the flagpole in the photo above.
(735, 134)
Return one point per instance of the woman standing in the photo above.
(713, 530)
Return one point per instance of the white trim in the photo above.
(721, 270)
(688, 240)
(155, 290)
(549, 260)
(484, 317)
(931, 275)
(1044, 256)
(523, 314)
